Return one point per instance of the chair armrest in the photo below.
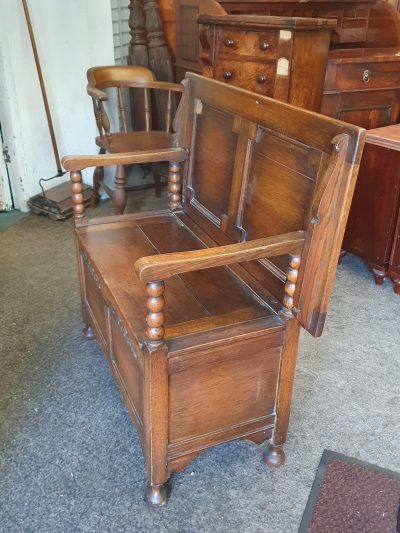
(76, 163)
(96, 93)
(161, 267)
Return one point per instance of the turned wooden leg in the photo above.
(157, 495)
(379, 276)
(98, 176)
(155, 397)
(274, 456)
(88, 333)
(119, 196)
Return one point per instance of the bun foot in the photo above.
(379, 276)
(88, 333)
(396, 285)
(157, 495)
(274, 456)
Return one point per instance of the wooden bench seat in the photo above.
(198, 309)
(195, 301)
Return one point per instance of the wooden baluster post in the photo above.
(155, 316)
(78, 206)
(174, 186)
(159, 57)
(290, 285)
(139, 57)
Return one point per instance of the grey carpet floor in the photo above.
(8, 218)
(69, 456)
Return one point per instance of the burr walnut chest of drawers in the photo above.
(281, 57)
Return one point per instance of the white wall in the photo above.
(71, 36)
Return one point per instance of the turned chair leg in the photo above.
(119, 197)
(98, 176)
(157, 174)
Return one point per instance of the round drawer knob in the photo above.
(227, 75)
(264, 45)
(365, 76)
(229, 43)
(261, 78)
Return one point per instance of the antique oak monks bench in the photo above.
(198, 308)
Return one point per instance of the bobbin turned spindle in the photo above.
(290, 285)
(77, 194)
(174, 186)
(155, 315)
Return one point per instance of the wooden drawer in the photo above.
(350, 30)
(349, 35)
(368, 76)
(262, 45)
(256, 77)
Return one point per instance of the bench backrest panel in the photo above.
(212, 157)
(259, 167)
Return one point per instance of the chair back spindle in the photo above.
(97, 114)
(105, 121)
(122, 111)
(168, 114)
(147, 109)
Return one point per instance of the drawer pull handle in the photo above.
(227, 75)
(264, 45)
(365, 76)
(229, 43)
(261, 78)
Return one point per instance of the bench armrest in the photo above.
(76, 163)
(161, 267)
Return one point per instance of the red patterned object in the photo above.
(349, 495)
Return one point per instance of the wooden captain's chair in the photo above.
(142, 80)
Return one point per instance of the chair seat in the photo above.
(136, 140)
(195, 301)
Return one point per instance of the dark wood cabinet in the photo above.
(362, 86)
(360, 78)
(373, 227)
(281, 57)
